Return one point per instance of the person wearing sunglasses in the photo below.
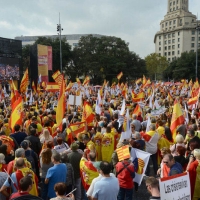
(175, 167)
(152, 185)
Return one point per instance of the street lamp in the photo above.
(59, 29)
(197, 44)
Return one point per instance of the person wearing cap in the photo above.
(74, 159)
(194, 171)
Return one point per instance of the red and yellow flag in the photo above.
(177, 118)
(123, 153)
(193, 100)
(88, 173)
(24, 82)
(33, 87)
(144, 80)
(88, 114)
(139, 97)
(147, 84)
(86, 81)
(137, 110)
(52, 87)
(61, 105)
(119, 75)
(78, 81)
(58, 77)
(16, 115)
(69, 86)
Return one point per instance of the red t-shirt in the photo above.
(124, 177)
(18, 194)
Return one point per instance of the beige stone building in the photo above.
(177, 31)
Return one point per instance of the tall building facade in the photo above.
(178, 31)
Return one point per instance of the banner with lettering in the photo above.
(175, 187)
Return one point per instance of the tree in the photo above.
(155, 65)
(183, 67)
(105, 57)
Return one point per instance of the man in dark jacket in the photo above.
(35, 144)
(175, 167)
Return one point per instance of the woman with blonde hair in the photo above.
(45, 136)
(179, 142)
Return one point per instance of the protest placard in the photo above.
(175, 187)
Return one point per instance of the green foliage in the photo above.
(103, 58)
(155, 65)
(183, 67)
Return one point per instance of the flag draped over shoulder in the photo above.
(88, 114)
(119, 75)
(140, 160)
(61, 104)
(24, 82)
(16, 115)
(177, 118)
(88, 173)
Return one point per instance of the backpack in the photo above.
(31, 160)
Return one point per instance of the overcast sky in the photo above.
(135, 21)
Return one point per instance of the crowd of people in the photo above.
(41, 160)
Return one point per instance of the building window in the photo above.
(176, 7)
(173, 53)
(173, 46)
(174, 3)
(173, 41)
(168, 59)
(178, 33)
(159, 48)
(193, 38)
(178, 39)
(173, 34)
(165, 53)
(170, 10)
(166, 24)
(169, 53)
(169, 41)
(192, 45)
(165, 48)
(193, 32)
(159, 37)
(165, 41)
(178, 45)
(199, 45)
(159, 54)
(75, 44)
(178, 52)
(163, 25)
(165, 36)
(169, 35)
(169, 47)
(159, 43)
(192, 50)
(170, 23)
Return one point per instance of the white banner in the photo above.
(175, 187)
(158, 112)
(140, 160)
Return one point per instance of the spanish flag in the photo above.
(78, 81)
(16, 115)
(52, 87)
(24, 82)
(169, 97)
(88, 114)
(61, 105)
(119, 75)
(144, 80)
(69, 86)
(147, 84)
(177, 118)
(139, 97)
(193, 100)
(138, 81)
(88, 172)
(137, 110)
(33, 87)
(86, 81)
(74, 129)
